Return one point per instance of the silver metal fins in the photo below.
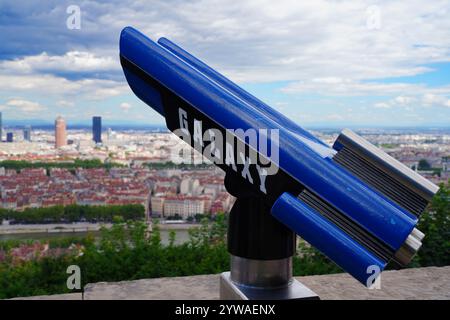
(396, 181)
(375, 167)
(409, 249)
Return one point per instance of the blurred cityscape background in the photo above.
(86, 176)
(60, 165)
(39, 167)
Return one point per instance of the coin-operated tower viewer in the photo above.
(352, 201)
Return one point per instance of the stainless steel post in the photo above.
(261, 250)
(251, 279)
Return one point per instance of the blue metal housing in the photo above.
(327, 238)
(302, 156)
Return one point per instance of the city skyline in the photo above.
(149, 149)
(87, 123)
(354, 64)
(97, 129)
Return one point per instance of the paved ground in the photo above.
(421, 283)
(67, 296)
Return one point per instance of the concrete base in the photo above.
(294, 291)
(408, 284)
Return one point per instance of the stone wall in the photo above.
(420, 283)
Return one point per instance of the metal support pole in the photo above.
(261, 250)
(261, 273)
(262, 280)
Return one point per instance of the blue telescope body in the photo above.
(351, 201)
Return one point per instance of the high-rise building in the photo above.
(1, 127)
(27, 133)
(97, 129)
(60, 132)
(9, 137)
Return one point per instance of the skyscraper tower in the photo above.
(27, 133)
(60, 132)
(97, 129)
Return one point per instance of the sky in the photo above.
(321, 63)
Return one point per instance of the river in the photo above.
(182, 235)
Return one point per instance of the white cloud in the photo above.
(382, 105)
(399, 101)
(335, 86)
(430, 99)
(423, 98)
(404, 100)
(40, 75)
(125, 106)
(90, 89)
(72, 61)
(22, 105)
(265, 40)
(320, 46)
(335, 117)
(65, 103)
(258, 41)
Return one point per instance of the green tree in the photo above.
(424, 165)
(125, 252)
(172, 237)
(74, 213)
(435, 223)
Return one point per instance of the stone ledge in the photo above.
(411, 284)
(420, 283)
(65, 296)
